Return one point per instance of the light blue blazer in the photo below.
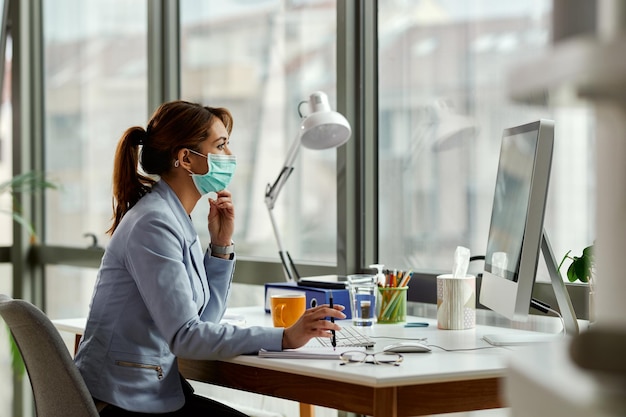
(158, 297)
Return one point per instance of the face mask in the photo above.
(219, 175)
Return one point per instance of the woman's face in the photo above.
(215, 143)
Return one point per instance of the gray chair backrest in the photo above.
(58, 387)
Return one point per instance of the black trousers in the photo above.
(195, 405)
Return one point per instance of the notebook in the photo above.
(306, 352)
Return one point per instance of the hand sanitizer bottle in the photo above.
(380, 277)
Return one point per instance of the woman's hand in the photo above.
(221, 218)
(311, 324)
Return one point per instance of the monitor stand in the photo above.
(562, 298)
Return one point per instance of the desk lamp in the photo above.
(321, 129)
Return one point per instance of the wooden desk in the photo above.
(395, 400)
(425, 383)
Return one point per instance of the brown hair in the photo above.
(175, 125)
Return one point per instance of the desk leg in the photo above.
(307, 410)
(385, 402)
(76, 343)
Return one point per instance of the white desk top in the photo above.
(417, 368)
(76, 326)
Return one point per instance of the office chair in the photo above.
(58, 388)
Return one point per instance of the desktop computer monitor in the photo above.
(516, 235)
(516, 230)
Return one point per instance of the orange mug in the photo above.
(287, 308)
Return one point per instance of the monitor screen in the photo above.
(516, 230)
(510, 204)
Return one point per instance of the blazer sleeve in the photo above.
(219, 276)
(155, 260)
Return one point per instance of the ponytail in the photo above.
(128, 184)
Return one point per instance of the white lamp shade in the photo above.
(323, 130)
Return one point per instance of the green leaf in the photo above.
(32, 181)
(25, 223)
(571, 273)
(588, 252)
(27, 182)
(16, 357)
(581, 267)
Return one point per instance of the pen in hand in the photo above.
(332, 320)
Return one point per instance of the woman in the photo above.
(158, 296)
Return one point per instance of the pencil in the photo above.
(332, 320)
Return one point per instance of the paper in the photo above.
(308, 353)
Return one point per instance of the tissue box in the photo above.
(314, 296)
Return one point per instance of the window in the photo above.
(443, 103)
(95, 77)
(261, 60)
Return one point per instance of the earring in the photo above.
(176, 163)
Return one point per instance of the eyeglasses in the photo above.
(380, 358)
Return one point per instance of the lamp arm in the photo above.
(271, 194)
(284, 256)
(272, 191)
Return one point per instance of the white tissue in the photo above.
(461, 262)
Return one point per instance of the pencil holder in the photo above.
(392, 304)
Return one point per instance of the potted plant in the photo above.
(32, 181)
(582, 268)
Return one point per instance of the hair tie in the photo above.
(140, 138)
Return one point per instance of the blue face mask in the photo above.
(219, 175)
